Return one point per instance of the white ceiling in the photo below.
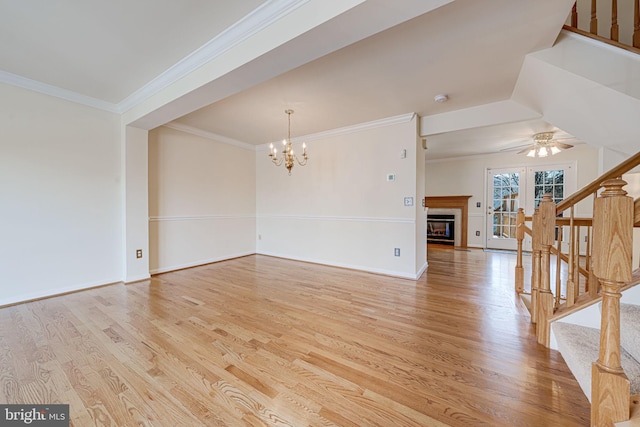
(468, 49)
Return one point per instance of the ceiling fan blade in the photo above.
(517, 147)
(562, 145)
(528, 148)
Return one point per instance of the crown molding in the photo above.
(46, 89)
(259, 19)
(403, 118)
(209, 135)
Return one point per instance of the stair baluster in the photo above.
(547, 221)
(520, 238)
(558, 269)
(535, 264)
(571, 276)
(613, 240)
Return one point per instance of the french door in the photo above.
(504, 190)
(511, 188)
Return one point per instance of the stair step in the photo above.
(579, 346)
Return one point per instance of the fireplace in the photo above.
(448, 205)
(441, 229)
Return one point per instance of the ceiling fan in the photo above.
(544, 145)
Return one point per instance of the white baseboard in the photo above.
(199, 262)
(137, 278)
(16, 299)
(384, 272)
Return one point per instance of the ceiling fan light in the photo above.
(532, 152)
(555, 150)
(543, 152)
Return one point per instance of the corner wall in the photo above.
(340, 209)
(201, 200)
(60, 192)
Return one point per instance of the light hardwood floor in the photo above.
(260, 341)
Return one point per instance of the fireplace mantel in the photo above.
(452, 202)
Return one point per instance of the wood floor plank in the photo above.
(262, 341)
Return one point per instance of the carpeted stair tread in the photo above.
(630, 329)
(579, 346)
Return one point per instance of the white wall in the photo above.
(467, 176)
(135, 151)
(340, 209)
(586, 88)
(201, 200)
(60, 196)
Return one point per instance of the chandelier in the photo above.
(288, 156)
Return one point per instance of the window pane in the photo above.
(538, 178)
(558, 192)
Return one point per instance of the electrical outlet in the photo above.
(396, 252)
(138, 253)
(477, 204)
(477, 232)
(391, 177)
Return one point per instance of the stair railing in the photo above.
(581, 286)
(601, 271)
(624, 33)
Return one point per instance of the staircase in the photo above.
(604, 354)
(581, 293)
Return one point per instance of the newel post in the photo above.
(612, 253)
(546, 303)
(535, 264)
(520, 238)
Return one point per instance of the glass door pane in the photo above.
(504, 192)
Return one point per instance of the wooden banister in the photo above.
(593, 186)
(535, 264)
(520, 230)
(631, 24)
(612, 228)
(601, 262)
(546, 230)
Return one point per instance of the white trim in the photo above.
(209, 135)
(391, 273)
(403, 118)
(137, 278)
(598, 44)
(259, 19)
(201, 262)
(46, 89)
(58, 291)
(338, 218)
(422, 270)
(198, 217)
